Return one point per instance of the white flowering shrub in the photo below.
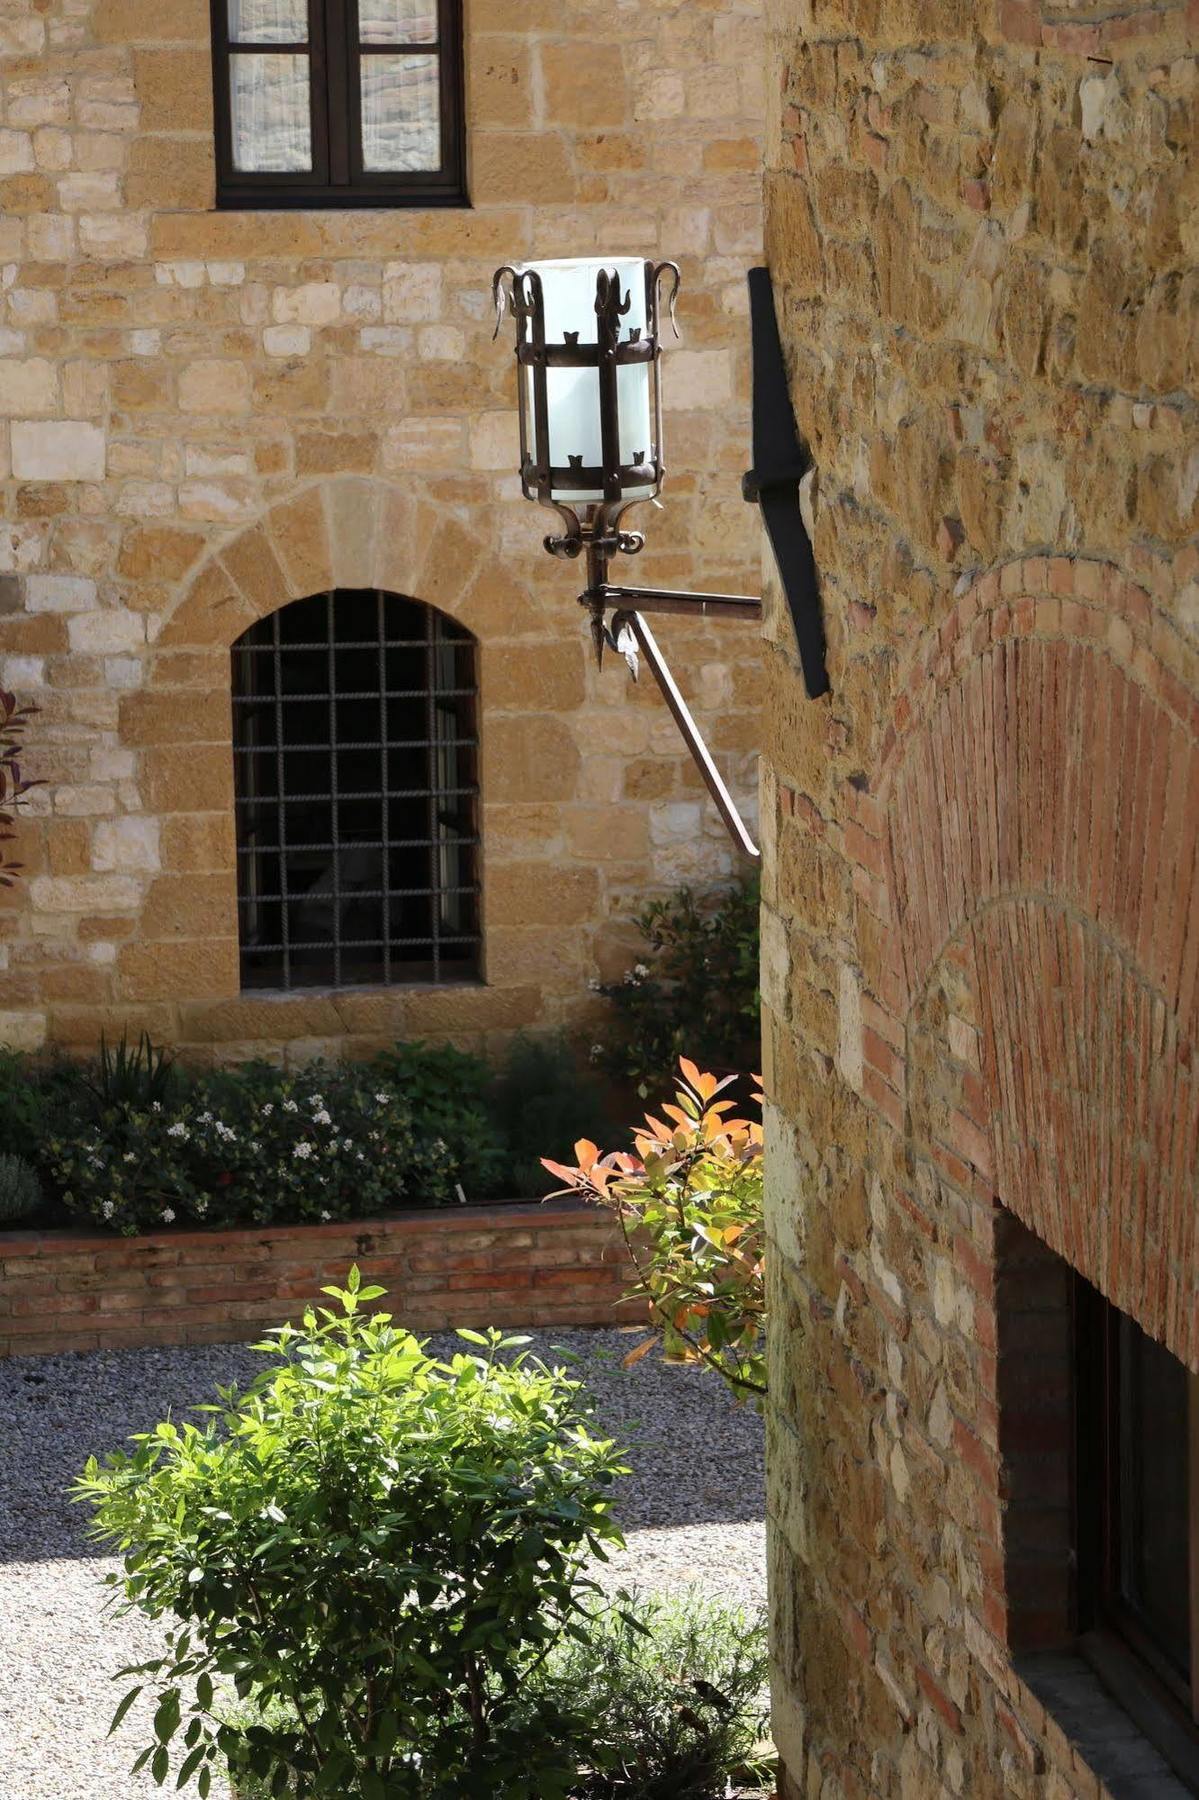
(256, 1146)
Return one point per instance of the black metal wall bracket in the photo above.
(780, 463)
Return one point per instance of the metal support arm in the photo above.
(692, 736)
(669, 600)
(628, 605)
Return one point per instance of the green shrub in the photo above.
(36, 1098)
(695, 993)
(20, 1190)
(377, 1550)
(660, 1699)
(134, 1143)
(255, 1145)
(542, 1096)
(671, 1698)
(446, 1094)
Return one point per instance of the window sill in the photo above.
(1110, 1710)
(352, 990)
(338, 200)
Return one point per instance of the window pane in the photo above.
(272, 121)
(268, 21)
(401, 113)
(398, 21)
(1154, 1531)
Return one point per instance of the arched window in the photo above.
(356, 777)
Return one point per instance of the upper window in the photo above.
(339, 102)
(356, 782)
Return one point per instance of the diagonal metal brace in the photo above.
(692, 736)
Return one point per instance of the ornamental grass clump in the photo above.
(690, 1204)
(376, 1550)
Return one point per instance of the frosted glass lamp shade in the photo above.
(588, 349)
(569, 295)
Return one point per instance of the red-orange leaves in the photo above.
(690, 1203)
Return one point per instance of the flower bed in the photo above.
(557, 1263)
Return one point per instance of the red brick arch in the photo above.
(1038, 817)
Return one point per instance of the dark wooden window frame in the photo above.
(1114, 1639)
(337, 177)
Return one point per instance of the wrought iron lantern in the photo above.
(589, 361)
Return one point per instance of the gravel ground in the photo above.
(693, 1512)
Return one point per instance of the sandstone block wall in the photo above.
(981, 935)
(204, 415)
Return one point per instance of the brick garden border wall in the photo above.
(526, 1264)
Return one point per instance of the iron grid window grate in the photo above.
(356, 799)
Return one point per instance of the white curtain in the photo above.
(268, 21)
(401, 112)
(271, 111)
(397, 21)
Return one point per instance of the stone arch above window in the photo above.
(350, 532)
(355, 747)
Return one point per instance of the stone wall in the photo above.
(206, 414)
(555, 1264)
(981, 935)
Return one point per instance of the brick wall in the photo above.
(981, 931)
(557, 1264)
(205, 415)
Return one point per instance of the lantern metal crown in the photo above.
(588, 352)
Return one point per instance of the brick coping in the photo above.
(511, 1213)
(516, 1264)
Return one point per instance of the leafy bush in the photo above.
(661, 1700)
(446, 1092)
(20, 1190)
(133, 1142)
(690, 1203)
(377, 1549)
(256, 1144)
(543, 1098)
(37, 1100)
(696, 991)
(672, 1696)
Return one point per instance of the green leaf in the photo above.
(167, 1715)
(123, 1708)
(204, 1691)
(190, 1765)
(160, 1765)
